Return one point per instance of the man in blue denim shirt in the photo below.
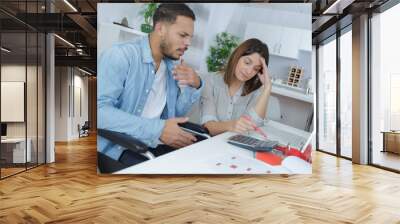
(138, 87)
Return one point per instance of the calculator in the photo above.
(252, 144)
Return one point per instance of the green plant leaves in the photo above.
(219, 54)
(148, 12)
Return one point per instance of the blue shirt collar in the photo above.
(146, 50)
(147, 56)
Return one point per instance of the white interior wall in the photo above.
(17, 73)
(61, 103)
(69, 81)
(14, 73)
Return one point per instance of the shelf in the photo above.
(110, 33)
(292, 92)
(125, 29)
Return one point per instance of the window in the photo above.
(22, 66)
(394, 101)
(385, 86)
(346, 93)
(327, 96)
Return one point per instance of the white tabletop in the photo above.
(213, 156)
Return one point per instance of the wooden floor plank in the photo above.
(70, 191)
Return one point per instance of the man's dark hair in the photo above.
(168, 12)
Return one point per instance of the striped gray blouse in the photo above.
(217, 105)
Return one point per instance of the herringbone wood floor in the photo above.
(70, 191)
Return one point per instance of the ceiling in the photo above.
(77, 23)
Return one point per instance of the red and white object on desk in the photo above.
(272, 158)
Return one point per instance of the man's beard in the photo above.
(165, 49)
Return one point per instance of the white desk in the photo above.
(19, 149)
(203, 157)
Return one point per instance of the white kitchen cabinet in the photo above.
(289, 44)
(305, 42)
(269, 34)
(281, 41)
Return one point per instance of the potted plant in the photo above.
(219, 54)
(148, 13)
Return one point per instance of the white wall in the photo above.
(16, 73)
(61, 103)
(70, 83)
(12, 100)
(80, 103)
(112, 12)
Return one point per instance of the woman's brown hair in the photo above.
(248, 47)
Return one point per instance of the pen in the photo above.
(257, 129)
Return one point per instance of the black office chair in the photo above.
(106, 164)
(84, 130)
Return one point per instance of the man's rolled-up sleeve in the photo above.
(187, 97)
